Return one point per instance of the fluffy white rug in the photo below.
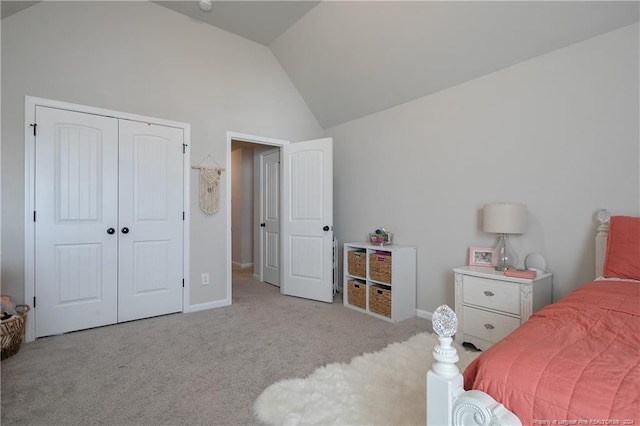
(383, 388)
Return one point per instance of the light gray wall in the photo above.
(558, 133)
(236, 205)
(142, 58)
(247, 206)
(242, 206)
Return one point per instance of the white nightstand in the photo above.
(489, 305)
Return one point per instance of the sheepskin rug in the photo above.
(380, 388)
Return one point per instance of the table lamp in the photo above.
(504, 219)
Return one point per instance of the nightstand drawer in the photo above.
(491, 294)
(487, 325)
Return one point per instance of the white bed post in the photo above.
(447, 401)
(601, 239)
(444, 379)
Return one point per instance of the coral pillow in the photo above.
(623, 248)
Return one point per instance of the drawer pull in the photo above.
(489, 326)
(488, 293)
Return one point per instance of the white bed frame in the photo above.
(447, 401)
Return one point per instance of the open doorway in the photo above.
(255, 205)
(306, 251)
(255, 223)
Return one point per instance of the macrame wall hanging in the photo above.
(209, 199)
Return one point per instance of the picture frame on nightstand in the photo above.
(482, 256)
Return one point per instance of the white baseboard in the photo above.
(424, 314)
(242, 265)
(208, 305)
(257, 277)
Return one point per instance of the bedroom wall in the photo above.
(242, 207)
(142, 58)
(558, 133)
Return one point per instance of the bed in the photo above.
(575, 362)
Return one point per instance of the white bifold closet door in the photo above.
(109, 220)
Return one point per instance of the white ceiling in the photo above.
(261, 21)
(349, 59)
(10, 7)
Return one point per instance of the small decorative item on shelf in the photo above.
(381, 237)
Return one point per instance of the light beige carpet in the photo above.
(203, 368)
(381, 388)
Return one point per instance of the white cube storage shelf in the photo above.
(380, 280)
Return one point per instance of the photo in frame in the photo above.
(482, 256)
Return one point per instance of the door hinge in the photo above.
(184, 148)
(183, 283)
(182, 215)
(34, 302)
(34, 125)
(34, 215)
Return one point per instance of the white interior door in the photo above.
(307, 222)
(271, 216)
(76, 217)
(150, 220)
(108, 212)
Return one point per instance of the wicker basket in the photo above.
(357, 263)
(380, 300)
(380, 267)
(12, 332)
(357, 293)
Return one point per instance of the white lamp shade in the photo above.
(504, 218)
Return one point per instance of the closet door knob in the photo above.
(125, 230)
(325, 228)
(111, 231)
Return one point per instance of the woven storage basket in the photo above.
(380, 267)
(380, 300)
(12, 332)
(357, 263)
(357, 293)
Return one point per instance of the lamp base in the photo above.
(505, 255)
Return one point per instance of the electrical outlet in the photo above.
(205, 278)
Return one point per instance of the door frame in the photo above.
(31, 103)
(260, 140)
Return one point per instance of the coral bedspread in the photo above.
(573, 362)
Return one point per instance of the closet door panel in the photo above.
(151, 220)
(76, 203)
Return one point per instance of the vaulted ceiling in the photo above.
(349, 59)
